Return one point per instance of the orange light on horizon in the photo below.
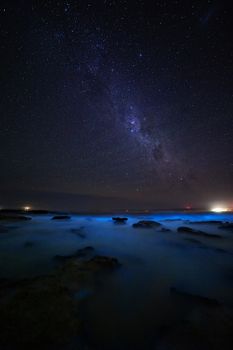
(27, 208)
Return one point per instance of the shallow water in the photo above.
(130, 307)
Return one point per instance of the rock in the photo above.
(102, 263)
(119, 220)
(44, 315)
(146, 224)
(194, 297)
(165, 229)
(185, 229)
(61, 217)
(14, 218)
(80, 253)
(38, 211)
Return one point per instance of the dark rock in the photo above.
(102, 262)
(119, 220)
(185, 229)
(61, 217)
(80, 253)
(146, 224)
(44, 315)
(14, 218)
(194, 297)
(38, 211)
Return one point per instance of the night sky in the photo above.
(116, 104)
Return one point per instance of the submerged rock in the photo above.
(185, 229)
(146, 224)
(119, 220)
(100, 262)
(61, 217)
(80, 253)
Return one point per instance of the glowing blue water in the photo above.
(152, 263)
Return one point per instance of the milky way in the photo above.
(118, 99)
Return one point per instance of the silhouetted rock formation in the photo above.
(185, 229)
(119, 220)
(146, 224)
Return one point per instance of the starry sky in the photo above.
(109, 105)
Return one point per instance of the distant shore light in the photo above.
(219, 209)
(27, 208)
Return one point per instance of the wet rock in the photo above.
(102, 263)
(14, 218)
(185, 229)
(119, 220)
(146, 224)
(61, 217)
(80, 253)
(194, 297)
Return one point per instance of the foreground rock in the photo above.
(44, 311)
(40, 314)
(185, 229)
(102, 263)
(61, 217)
(146, 224)
(80, 253)
(14, 218)
(119, 220)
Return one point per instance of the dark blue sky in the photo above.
(120, 99)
